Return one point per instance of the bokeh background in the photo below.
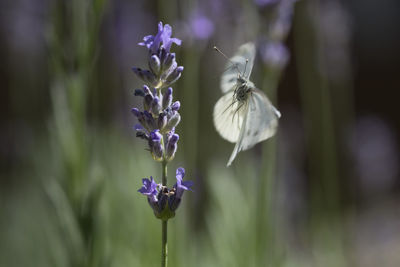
(325, 191)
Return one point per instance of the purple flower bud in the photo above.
(135, 112)
(174, 121)
(156, 148)
(146, 76)
(162, 121)
(176, 105)
(141, 132)
(139, 92)
(150, 123)
(157, 152)
(155, 136)
(156, 106)
(147, 90)
(138, 72)
(138, 127)
(139, 115)
(154, 64)
(147, 101)
(169, 61)
(167, 98)
(175, 75)
(171, 147)
(167, 71)
(162, 55)
(149, 77)
(142, 135)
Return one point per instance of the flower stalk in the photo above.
(157, 123)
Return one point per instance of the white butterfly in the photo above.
(243, 115)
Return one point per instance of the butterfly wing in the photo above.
(245, 52)
(238, 146)
(228, 117)
(260, 122)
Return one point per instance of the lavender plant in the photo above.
(157, 123)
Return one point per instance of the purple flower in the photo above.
(274, 54)
(201, 27)
(149, 189)
(166, 37)
(158, 199)
(181, 186)
(163, 36)
(171, 146)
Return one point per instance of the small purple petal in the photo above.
(180, 173)
(176, 105)
(149, 187)
(155, 136)
(135, 112)
(186, 185)
(181, 186)
(138, 127)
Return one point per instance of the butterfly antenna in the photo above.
(245, 66)
(230, 61)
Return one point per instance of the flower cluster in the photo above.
(163, 200)
(159, 117)
(163, 69)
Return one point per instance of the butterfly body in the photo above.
(243, 89)
(243, 115)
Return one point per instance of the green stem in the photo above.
(164, 173)
(164, 255)
(164, 230)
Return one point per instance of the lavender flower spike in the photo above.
(158, 120)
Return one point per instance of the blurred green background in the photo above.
(323, 192)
